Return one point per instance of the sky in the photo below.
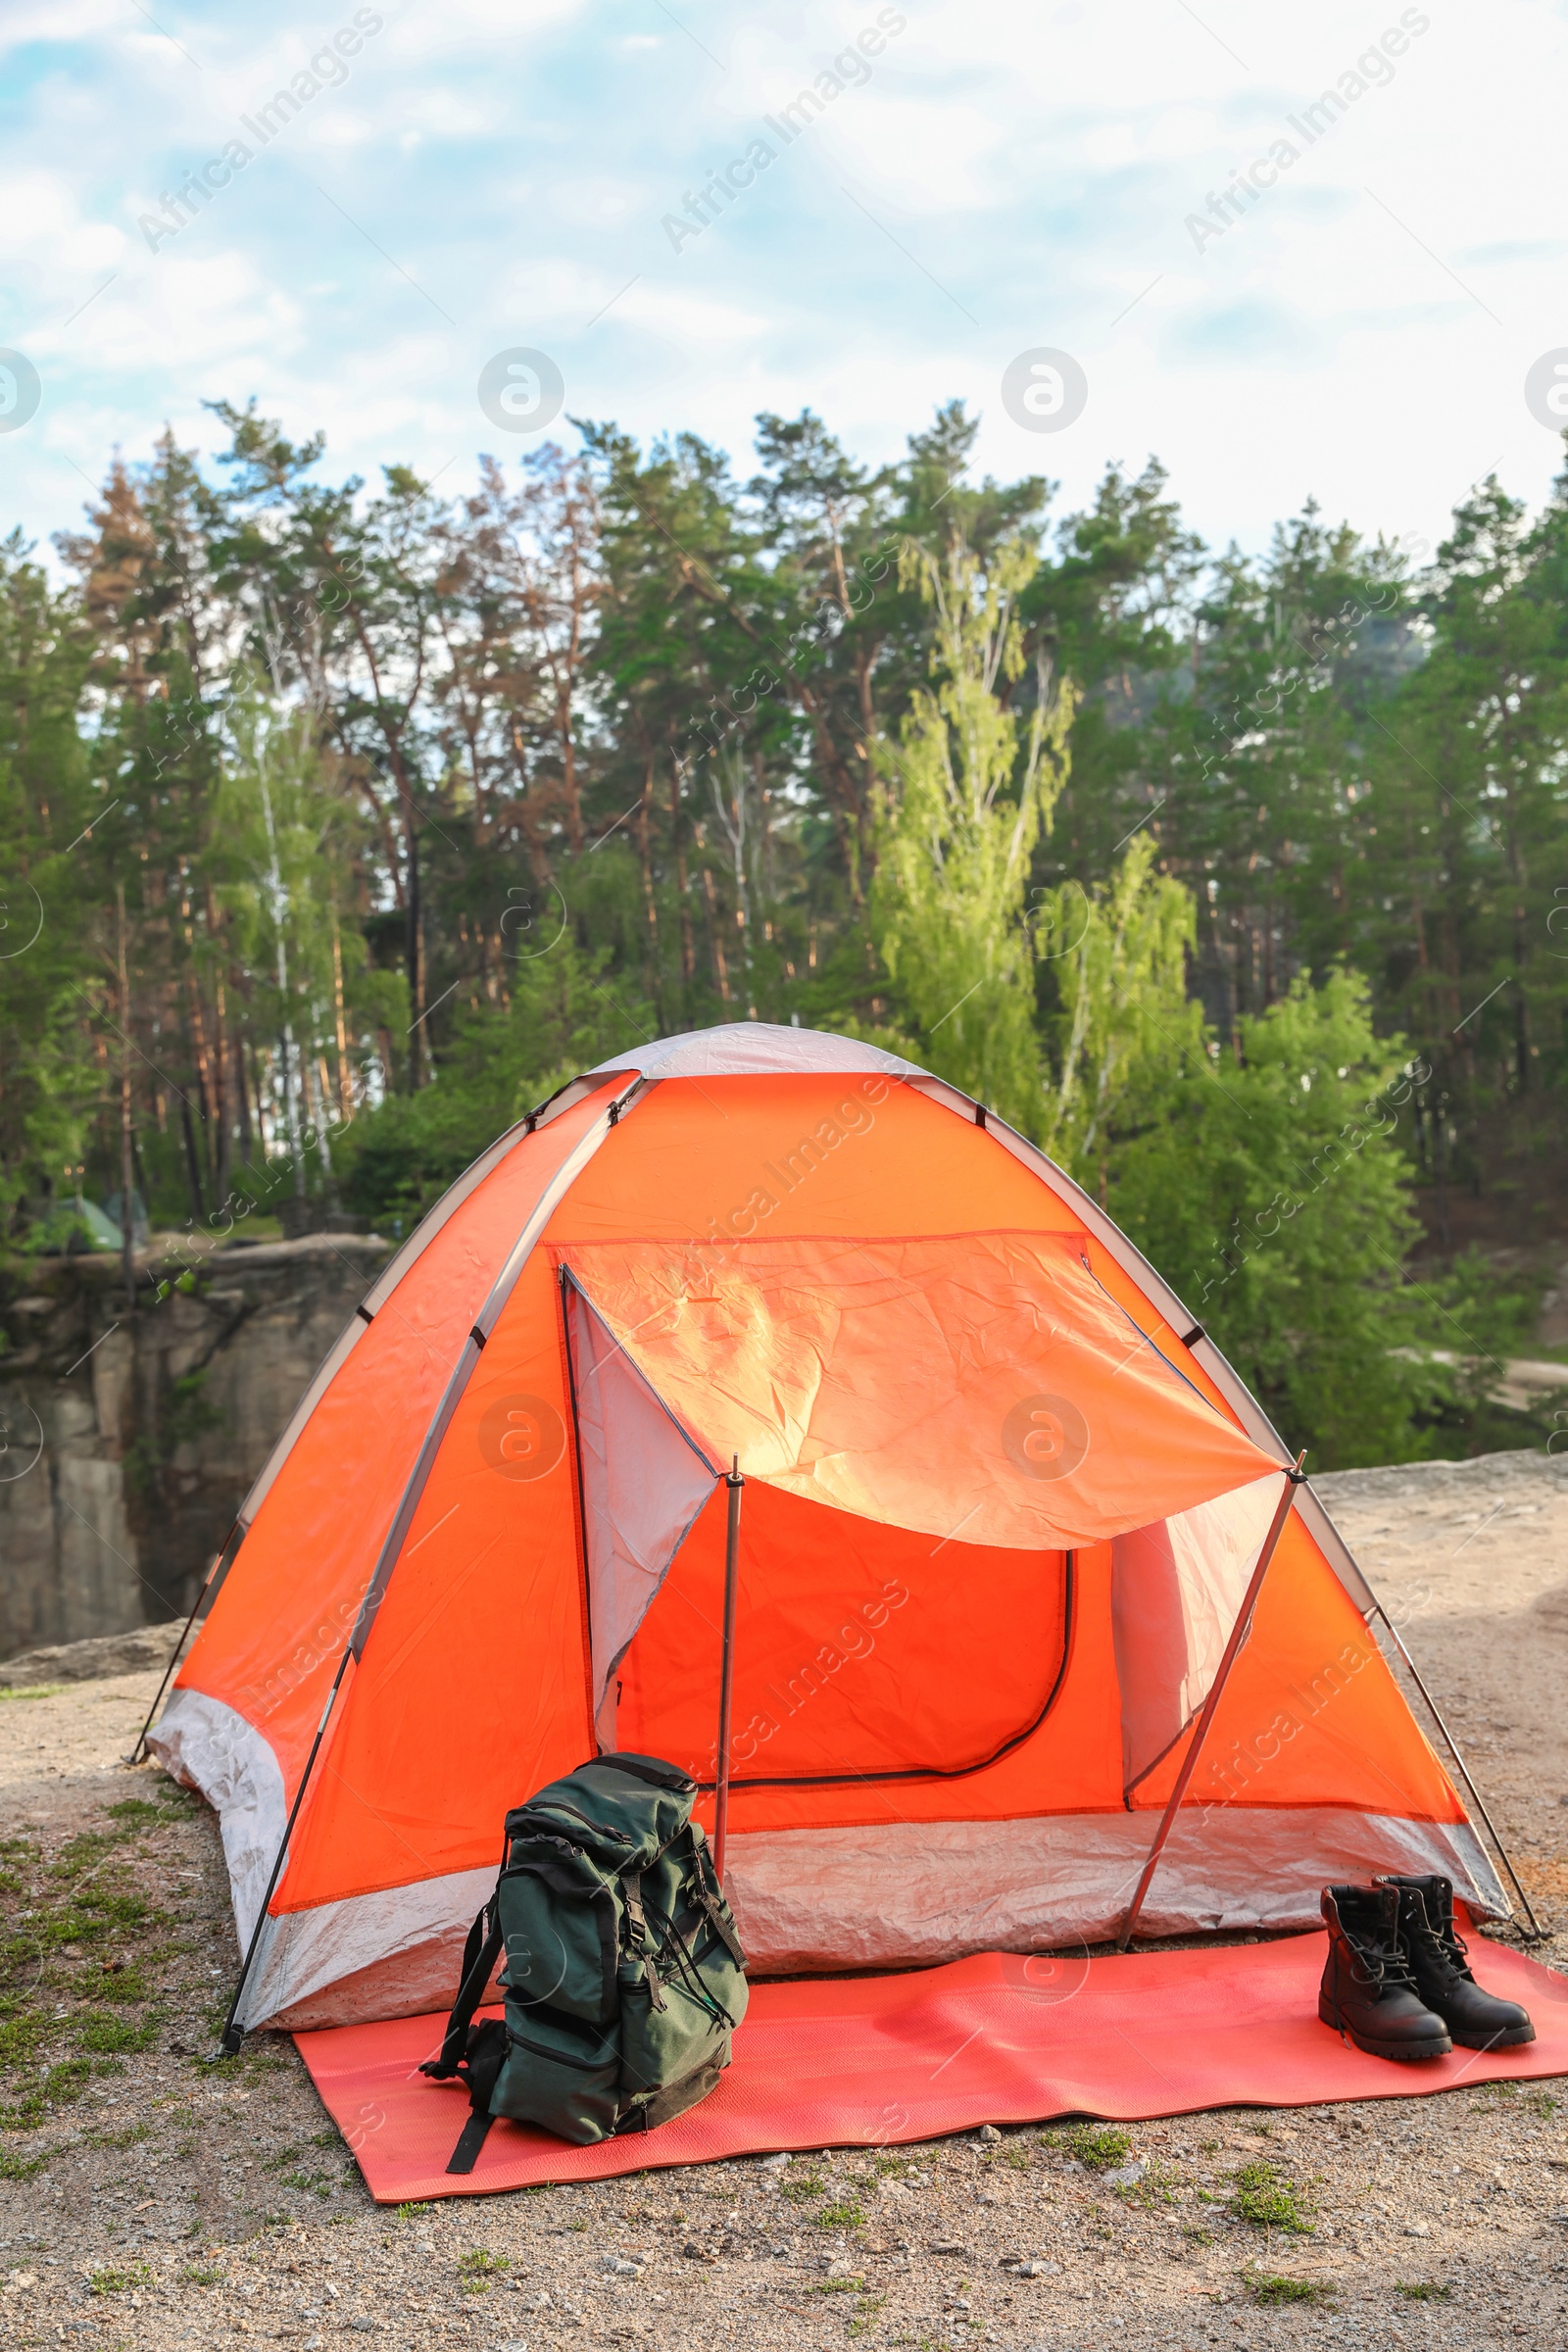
(965, 188)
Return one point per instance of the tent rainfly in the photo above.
(1006, 1517)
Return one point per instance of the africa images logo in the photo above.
(522, 1437)
(1045, 1437)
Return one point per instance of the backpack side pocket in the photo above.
(561, 2074)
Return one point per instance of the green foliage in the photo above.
(308, 2184)
(108, 2036)
(1098, 2147)
(970, 788)
(1424, 2291)
(127, 2137)
(74, 1901)
(115, 1982)
(1270, 1185)
(1118, 965)
(173, 1803)
(105, 2282)
(185, 1414)
(48, 1081)
(1260, 2196)
(1275, 2287)
(478, 2270)
(567, 1013)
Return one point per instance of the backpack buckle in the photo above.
(638, 1941)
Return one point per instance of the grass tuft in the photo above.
(59, 2087)
(1276, 2287)
(119, 2283)
(106, 2034)
(1261, 2196)
(115, 1981)
(475, 2270)
(1099, 2148)
(98, 2137)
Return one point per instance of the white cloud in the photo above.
(42, 226)
(58, 21)
(595, 202)
(1039, 163)
(895, 139)
(1179, 131)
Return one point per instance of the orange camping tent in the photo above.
(1003, 1503)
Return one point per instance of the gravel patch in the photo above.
(151, 2199)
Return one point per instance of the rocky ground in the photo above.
(150, 2200)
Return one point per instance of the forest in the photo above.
(342, 821)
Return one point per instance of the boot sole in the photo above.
(1412, 2051)
(1511, 2041)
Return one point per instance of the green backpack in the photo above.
(625, 1976)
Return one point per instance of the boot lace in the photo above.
(1378, 1967)
(1448, 1948)
(1382, 1967)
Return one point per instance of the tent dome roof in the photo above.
(758, 1050)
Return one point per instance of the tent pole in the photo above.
(726, 1671)
(1536, 1930)
(1294, 1478)
(222, 1560)
(234, 2035)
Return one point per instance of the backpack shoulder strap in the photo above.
(479, 1956)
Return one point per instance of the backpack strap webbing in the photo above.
(710, 1895)
(480, 2071)
(475, 2132)
(479, 1956)
(637, 1936)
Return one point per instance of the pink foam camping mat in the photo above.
(858, 2062)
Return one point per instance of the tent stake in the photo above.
(1239, 1632)
(726, 1671)
(1536, 1930)
(234, 2035)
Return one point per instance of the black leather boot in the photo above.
(1368, 1992)
(1441, 1973)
